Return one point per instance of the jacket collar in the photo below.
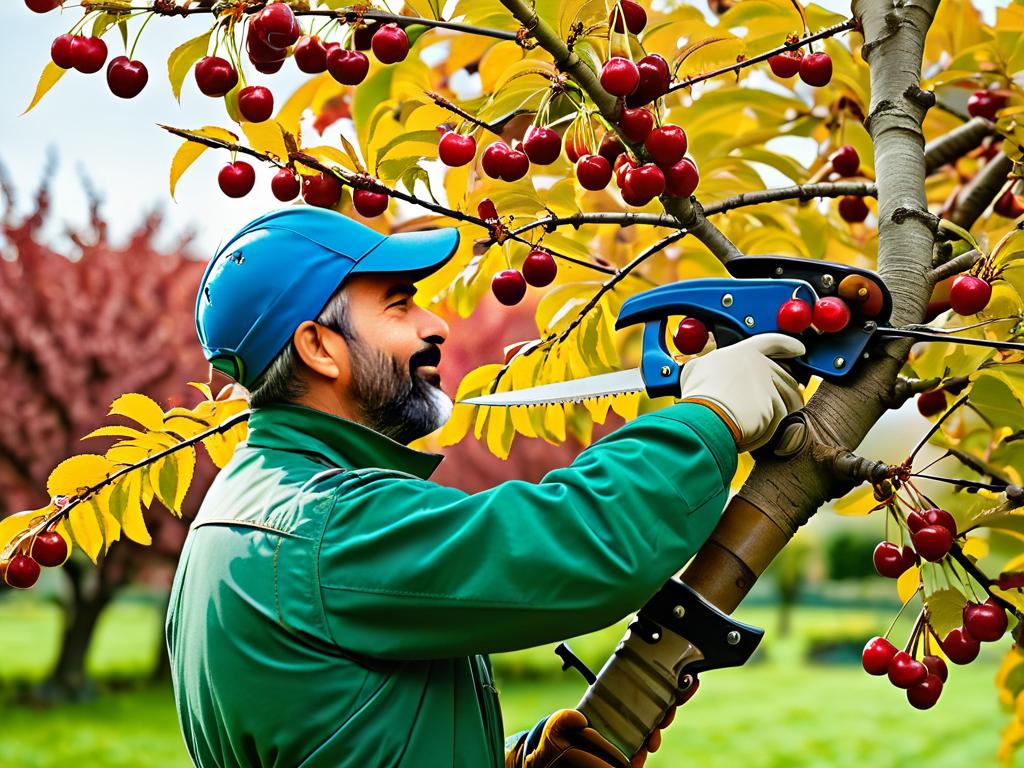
(344, 443)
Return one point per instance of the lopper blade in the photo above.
(574, 390)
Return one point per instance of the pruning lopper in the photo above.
(736, 308)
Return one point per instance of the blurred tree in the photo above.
(74, 333)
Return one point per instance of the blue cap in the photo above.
(281, 269)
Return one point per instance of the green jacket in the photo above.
(333, 607)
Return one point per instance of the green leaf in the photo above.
(182, 58)
(51, 74)
(427, 138)
(945, 608)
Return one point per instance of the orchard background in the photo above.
(88, 316)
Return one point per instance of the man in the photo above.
(332, 606)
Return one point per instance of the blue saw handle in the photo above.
(733, 310)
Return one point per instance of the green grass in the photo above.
(777, 712)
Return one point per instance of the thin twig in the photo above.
(935, 428)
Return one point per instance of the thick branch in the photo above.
(954, 266)
(956, 143)
(982, 190)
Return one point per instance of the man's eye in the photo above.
(401, 303)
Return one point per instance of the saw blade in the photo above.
(574, 390)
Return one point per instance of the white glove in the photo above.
(750, 392)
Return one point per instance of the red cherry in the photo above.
(322, 190)
(126, 78)
(276, 26)
(285, 185)
(816, 69)
(794, 316)
(853, 209)
(514, 165)
(310, 55)
(347, 67)
(936, 666)
(631, 197)
(509, 286)
(985, 104)
(22, 572)
(845, 160)
(636, 17)
(932, 402)
(50, 549)
(539, 268)
(261, 52)
(575, 147)
(390, 44)
(594, 172)
(785, 64)
(619, 76)
(88, 54)
(682, 178)
(934, 516)
(636, 123)
(889, 560)
(925, 694)
(655, 79)
(691, 336)
(1010, 580)
(932, 542)
(667, 144)
(830, 314)
(256, 103)
(960, 647)
(1009, 205)
(493, 158)
(369, 203)
(611, 147)
(268, 68)
(620, 167)
(215, 76)
(42, 6)
(542, 145)
(236, 179)
(362, 38)
(985, 621)
(969, 294)
(60, 51)
(877, 656)
(486, 210)
(455, 150)
(647, 181)
(906, 671)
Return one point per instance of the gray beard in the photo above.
(392, 398)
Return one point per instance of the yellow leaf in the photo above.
(175, 477)
(203, 387)
(65, 532)
(860, 501)
(77, 473)
(51, 74)
(500, 433)
(908, 583)
(291, 111)
(975, 547)
(139, 408)
(84, 520)
(266, 137)
(114, 431)
(126, 505)
(12, 525)
(627, 406)
(182, 58)
(190, 150)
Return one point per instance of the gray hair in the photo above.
(283, 381)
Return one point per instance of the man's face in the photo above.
(394, 380)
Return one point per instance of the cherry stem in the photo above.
(829, 32)
(441, 101)
(131, 53)
(900, 613)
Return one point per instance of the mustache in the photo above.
(430, 355)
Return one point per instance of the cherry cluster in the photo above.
(539, 267)
(815, 69)
(47, 548)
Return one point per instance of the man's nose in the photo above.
(434, 329)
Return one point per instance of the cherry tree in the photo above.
(591, 151)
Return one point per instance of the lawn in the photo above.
(777, 711)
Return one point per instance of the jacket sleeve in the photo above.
(410, 569)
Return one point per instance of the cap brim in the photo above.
(420, 253)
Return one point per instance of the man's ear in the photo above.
(323, 351)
